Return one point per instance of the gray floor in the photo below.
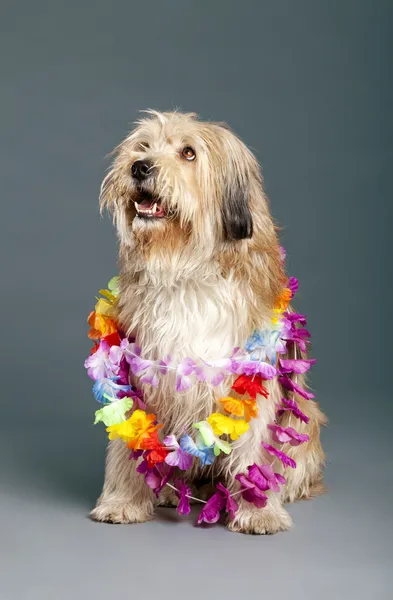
(340, 546)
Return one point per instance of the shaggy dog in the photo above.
(200, 269)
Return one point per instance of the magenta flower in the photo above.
(293, 285)
(294, 408)
(230, 504)
(210, 513)
(284, 435)
(220, 500)
(123, 374)
(183, 491)
(285, 459)
(251, 492)
(290, 385)
(156, 477)
(265, 478)
(295, 318)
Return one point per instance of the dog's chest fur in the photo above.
(198, 317)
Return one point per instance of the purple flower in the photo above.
(213, 372)
(284, 435)
(183, 372)
(183, 492)
(178, 458)
(131, 351)
(116, 353)
(290, 385)
(285, 459)
(254, 367)
(99, 365)
(135, 455)
(147, 370)
(294, 408)
(143, 467)
(165, 364)
(265, 478)
(251, 492)
(298, 366)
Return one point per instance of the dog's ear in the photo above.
(108, 193)
(236, 214)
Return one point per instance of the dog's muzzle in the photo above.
(142, 169)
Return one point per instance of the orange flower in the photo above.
(282, 301)
(145, 430)
(101, 326)
(245, 407)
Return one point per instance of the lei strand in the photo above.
(114, 357)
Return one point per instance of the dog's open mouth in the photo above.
(149, 207)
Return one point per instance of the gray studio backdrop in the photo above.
(307, 85)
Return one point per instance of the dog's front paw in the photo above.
(120, 512)
(260, 521)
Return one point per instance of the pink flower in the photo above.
(284, 435)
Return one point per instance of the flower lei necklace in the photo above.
(114, 357)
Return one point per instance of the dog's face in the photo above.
(175, 176)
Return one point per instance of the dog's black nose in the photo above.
(141, 169)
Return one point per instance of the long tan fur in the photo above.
(189, 288)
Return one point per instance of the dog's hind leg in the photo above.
(125, 497)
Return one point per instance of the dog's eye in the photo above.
(188, 153)
(143, 146)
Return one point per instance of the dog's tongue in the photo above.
(146, 203)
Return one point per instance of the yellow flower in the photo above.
(136, 430)
(222, 424)
(104, 307)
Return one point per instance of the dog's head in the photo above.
(176, 177)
